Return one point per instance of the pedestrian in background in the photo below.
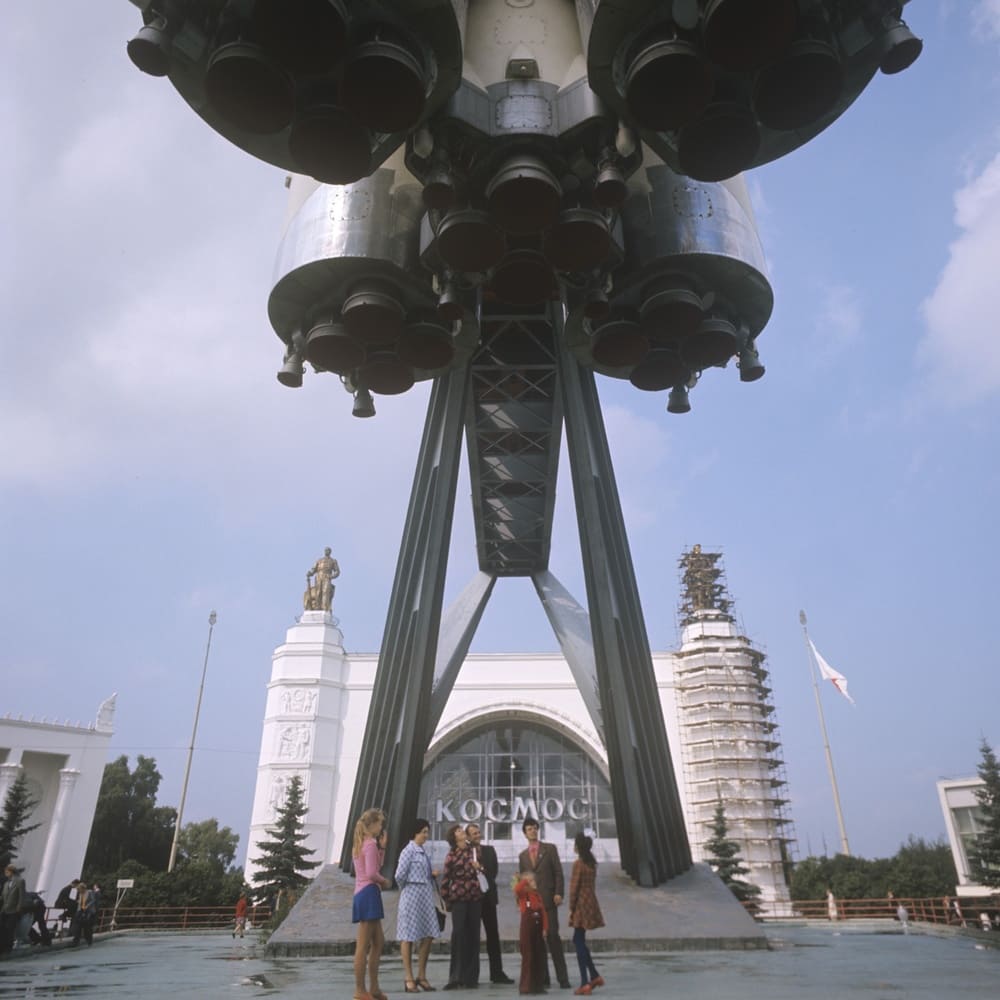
(11, 902)
(37, 918)
(240, 915)
(85, 916)
(66, 902)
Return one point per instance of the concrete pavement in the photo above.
(822, 962)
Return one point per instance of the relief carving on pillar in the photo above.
(279, 792)
(298, 701)
(293, 741)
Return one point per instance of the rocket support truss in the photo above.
(512, 399)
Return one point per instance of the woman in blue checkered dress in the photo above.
(417, 919)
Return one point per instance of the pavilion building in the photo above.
(63, 764)
(516, 739)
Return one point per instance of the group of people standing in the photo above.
(468, 891)
(23, 914)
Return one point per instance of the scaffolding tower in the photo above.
(731, 746)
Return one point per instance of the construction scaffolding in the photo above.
(730, 743)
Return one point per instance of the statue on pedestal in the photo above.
(319, 583)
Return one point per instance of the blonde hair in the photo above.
(363, 828)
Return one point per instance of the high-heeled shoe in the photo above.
(410, 986)
(378, 995)
(426, 986)
(596, 981)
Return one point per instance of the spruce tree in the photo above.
(984, 851)
(724, 858)
(283, 858)
(17, 807)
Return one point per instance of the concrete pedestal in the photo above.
(307, 702)
(693, 911)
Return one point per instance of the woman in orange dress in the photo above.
(584, 912)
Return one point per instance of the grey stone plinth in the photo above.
(693, 911)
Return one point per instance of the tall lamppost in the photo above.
(194, 732)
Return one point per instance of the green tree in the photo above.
(724, 857)
(918, 869)
(203, 875)
(128, 824)
(205, 843)
(191, 883)
(283, 857)
(17, 809)
(984, 851)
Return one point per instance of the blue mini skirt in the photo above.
(368, 904)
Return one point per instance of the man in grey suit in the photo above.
(543, 860)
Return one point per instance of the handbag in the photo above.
(440, 907)
(484, 882)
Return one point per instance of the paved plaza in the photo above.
(803, 963)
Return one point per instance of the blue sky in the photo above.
(152, 469)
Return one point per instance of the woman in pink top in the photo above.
(368, 912)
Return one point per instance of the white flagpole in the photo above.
(212, 619)
(844, 846)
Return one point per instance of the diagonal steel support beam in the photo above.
(458, 629)
(571, 624)
(398, 733)
(651, 833)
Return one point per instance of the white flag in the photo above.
(835, 677)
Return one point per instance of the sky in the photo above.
(152, 469)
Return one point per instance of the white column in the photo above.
(307, 701)
(53, 843)
(9, 773)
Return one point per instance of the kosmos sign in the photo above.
(499, 810)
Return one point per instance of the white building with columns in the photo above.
(516, 738)
(63, 764)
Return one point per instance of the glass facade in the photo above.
(501, 772)
(969, 824)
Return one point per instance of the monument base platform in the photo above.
(694, 911)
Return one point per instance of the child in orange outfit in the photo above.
(534, 926)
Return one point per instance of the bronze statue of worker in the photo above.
(319, 583)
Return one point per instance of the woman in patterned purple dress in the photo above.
(460, 888)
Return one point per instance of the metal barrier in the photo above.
(935, 910)
(166, 918)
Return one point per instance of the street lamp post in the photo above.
(194, 732)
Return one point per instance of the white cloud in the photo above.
(961, 349)
(986, 15)
(838, 321)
